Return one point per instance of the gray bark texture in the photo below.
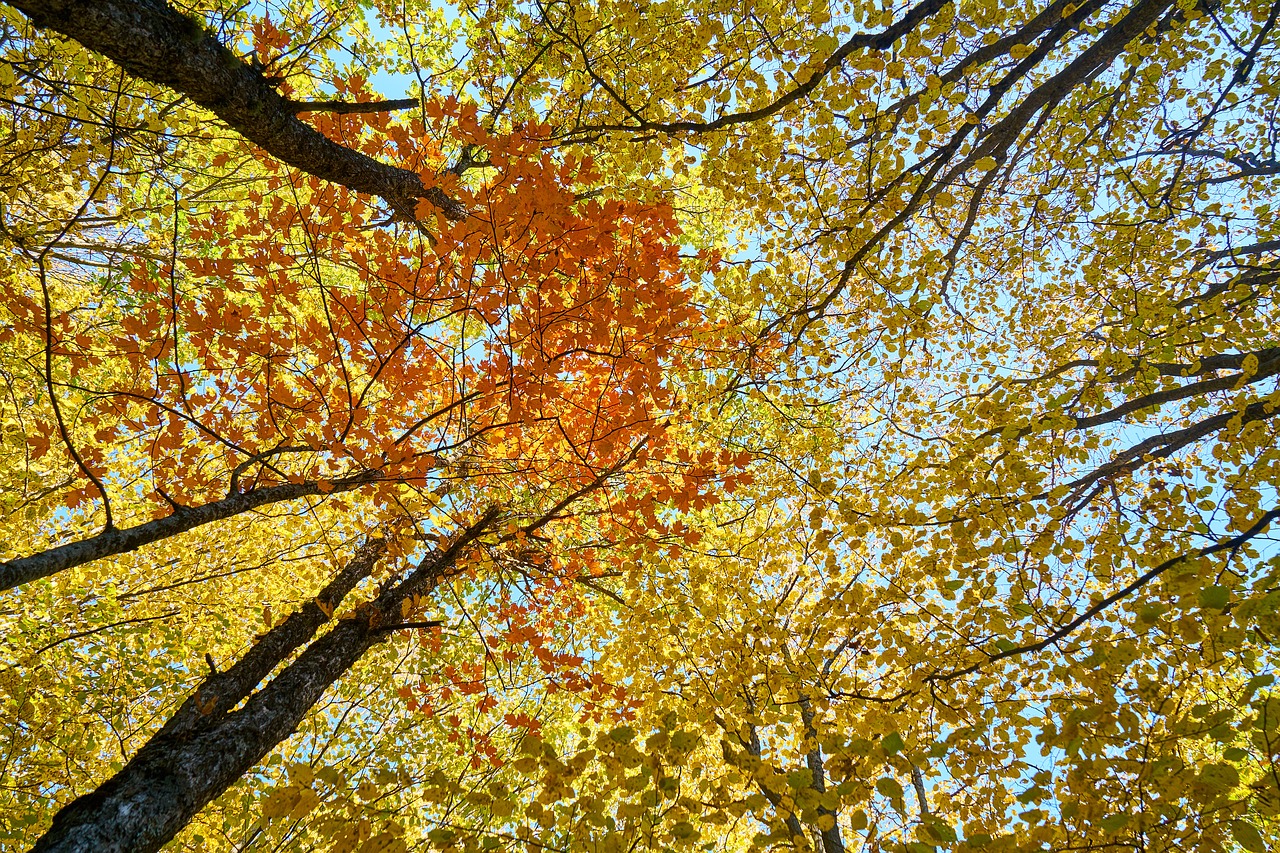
(152, 41)
(205, 747)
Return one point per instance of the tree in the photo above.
(979, 297)
(503, 366)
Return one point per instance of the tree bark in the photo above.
(114, 541)
(204, 748)
(153, 41)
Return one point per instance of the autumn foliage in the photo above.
(617, 426)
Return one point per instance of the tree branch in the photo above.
(881, 40)
(353, 108)
(108, 543)
(152, 41)
(1233, 544)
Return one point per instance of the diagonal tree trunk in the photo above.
(155, 42)
(204, 748)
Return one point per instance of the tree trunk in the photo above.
(203, 749)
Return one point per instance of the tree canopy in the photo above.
(639, 425)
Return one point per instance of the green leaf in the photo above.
(800, 779)
(442, 836)
(1214, 597)
(1252, 685)
(892, 743)
(684, 741)
(940, 832)
(889, 787)
(1115, 822)
(1248, 836)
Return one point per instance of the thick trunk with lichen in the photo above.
(155, 42)
(204, 748)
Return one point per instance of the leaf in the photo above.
(1255, 683)
(442, 836)
(206, 706)
(889, 787)
(800, 779)
(1215, 597)
(1115, 822)
(622, 734)
(1248, 836)
(281, 802)
(940, 832)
